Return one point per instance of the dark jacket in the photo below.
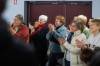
(13, 52)
(40, 43)
(38, 38)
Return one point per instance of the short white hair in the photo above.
(43, 18)
(83, 17)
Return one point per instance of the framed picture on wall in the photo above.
(14, 2)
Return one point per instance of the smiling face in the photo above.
(17, 22)
(94, 27)
(73, 27)
(57, 23)
(59, 20)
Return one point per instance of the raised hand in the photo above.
(61, 40)
(51, 27)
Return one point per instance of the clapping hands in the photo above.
(61, 40)
(51, 27)
(80, 44)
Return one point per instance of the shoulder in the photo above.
(24, 28)
(82, 35)
(62, 28)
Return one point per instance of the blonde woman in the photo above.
(73, 48)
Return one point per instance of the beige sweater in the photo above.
(73, 50)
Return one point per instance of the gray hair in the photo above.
(43, 18)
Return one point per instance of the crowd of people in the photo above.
(49, 44)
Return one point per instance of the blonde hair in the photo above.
(83, 18)
(79, 25)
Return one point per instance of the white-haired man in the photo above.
(38, 24)
(38, 39)
(43, 18)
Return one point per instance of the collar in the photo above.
(58, 27)
(77, 33)
(97, 34)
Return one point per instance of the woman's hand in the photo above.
(80, 44)
(61, 40)
(12, 31)
(51, 27)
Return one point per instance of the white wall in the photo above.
(12, 9)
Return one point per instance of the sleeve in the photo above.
(23, 33)
(60, 34)
(71, 48)
(48, 35)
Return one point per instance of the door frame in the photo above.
(27, 6)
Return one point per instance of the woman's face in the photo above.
(57, 23)
(73, 27)
(17, 21)
(93, 27)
